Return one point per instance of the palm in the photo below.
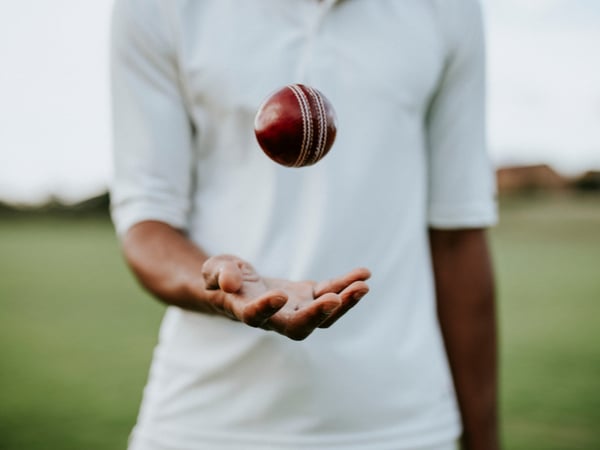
(291, 308)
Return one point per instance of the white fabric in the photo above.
(139, 443)
(406, 78)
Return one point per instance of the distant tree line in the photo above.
(511, 180)
(97, 206)
(543, 178)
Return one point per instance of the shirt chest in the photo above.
(233, 53)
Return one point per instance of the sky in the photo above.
(544, 82)
(543, 104)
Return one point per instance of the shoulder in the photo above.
(458, 19)
(142, 9)
(455, 9)
(461, 29)
(150, 22)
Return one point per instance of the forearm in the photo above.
(179, 273)
(466, 311)
(168, 265)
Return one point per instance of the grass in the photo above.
(75, 336)
(547, 253)
(76, 333)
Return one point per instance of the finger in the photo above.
(338, 284)
(230, 277)
(350, 297)
(260, 310)
(304, 321)
(223, 272)
(211, 268)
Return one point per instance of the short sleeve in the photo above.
(152, 133)
(461, 178)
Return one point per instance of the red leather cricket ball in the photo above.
(296, 126)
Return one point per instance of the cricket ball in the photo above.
(296, 126)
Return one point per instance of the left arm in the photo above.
(466, 312)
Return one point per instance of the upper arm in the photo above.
(451, 240)
(461, 180)
(151, 128)
(461, 259)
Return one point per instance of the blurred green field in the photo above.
(76, 333)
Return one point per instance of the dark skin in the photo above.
(467, 316)
(168, 264)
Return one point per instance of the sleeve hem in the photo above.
(124, 219)
(463, 216)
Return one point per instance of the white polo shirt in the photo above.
(407, 81)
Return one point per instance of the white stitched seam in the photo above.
(303, 113)
(306, 125)
(322, 124)
(301, 105)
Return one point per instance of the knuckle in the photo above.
(327, 324)
(298, 335)
(251, 318)
(252, 321)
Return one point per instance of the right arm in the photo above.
(167, 264)
(179, 273)
(152, 191)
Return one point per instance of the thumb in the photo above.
(223, 272)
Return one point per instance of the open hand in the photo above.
(291, 308)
